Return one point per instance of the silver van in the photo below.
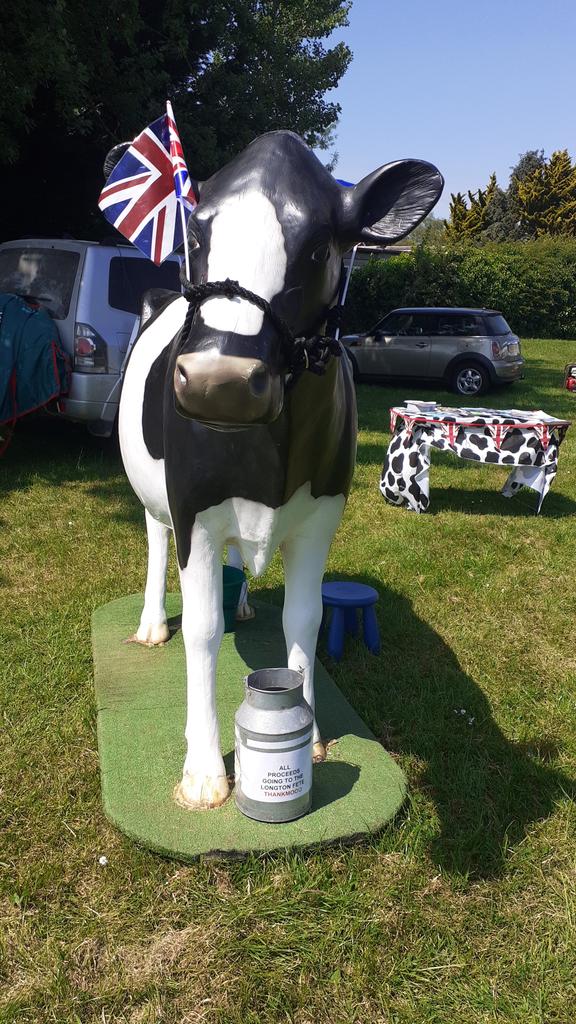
(94, 293)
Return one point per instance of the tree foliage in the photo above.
(430, 231)
(76, 78)
(532, 283)
(540, 200)
(471, 219)
(547, 197)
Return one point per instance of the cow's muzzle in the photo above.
(224, 390)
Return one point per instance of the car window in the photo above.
(496, 324)
(407, 324)
(461, 325)
(45, 275)
(131, 277)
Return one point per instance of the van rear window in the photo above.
(44, 275)
(131, 277)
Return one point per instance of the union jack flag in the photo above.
(149, 195)
(182, 184)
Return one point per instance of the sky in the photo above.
(467, 86)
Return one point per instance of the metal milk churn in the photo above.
(274, 747)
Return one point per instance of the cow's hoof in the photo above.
(201, 791)
(244, 612)
(318, 752)
(151, 636)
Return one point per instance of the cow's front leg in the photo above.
(153, 628)
(305, 553)
(204, 782)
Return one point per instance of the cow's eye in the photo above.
(321, 254)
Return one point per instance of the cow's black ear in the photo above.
(112, 158)
(388, 203)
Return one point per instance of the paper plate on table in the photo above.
(413, 406)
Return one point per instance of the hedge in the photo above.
(532, 283)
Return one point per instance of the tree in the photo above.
(456, 225)
(547, 197)
(430, 232)
(469, 220)
(76, 78)
(540, 200)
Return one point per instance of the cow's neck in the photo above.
(321, 414)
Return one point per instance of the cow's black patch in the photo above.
(154, 302)
(312, 441)
(152, 408)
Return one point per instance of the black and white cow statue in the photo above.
(226, 438)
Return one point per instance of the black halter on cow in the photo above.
(238, 416)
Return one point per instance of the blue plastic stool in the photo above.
(344, 599)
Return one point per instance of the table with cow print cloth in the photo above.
(527, 441)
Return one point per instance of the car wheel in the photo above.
(470, 379)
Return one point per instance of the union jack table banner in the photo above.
(529, 442)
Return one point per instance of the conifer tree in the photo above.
(470, 218)
(547, 197)
(455, 227)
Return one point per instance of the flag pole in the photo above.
(185, 237)
(171, 117)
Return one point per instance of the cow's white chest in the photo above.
(258, 531)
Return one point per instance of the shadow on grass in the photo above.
(486, 790)
(57, 452)
(479, 501)
(493, 503)
(53, 450)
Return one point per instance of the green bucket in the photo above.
(233, 582)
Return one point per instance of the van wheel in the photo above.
(470, 379)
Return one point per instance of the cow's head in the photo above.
(277, 222)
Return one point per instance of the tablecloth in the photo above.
(528, 441)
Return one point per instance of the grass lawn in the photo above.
(462, 912)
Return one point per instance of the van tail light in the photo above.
(498, 349)
(90, 351)
(571, 383)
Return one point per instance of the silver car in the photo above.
(467, 349)
(94, 294)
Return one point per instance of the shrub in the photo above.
(532, 283)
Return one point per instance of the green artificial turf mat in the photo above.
(141, 701)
